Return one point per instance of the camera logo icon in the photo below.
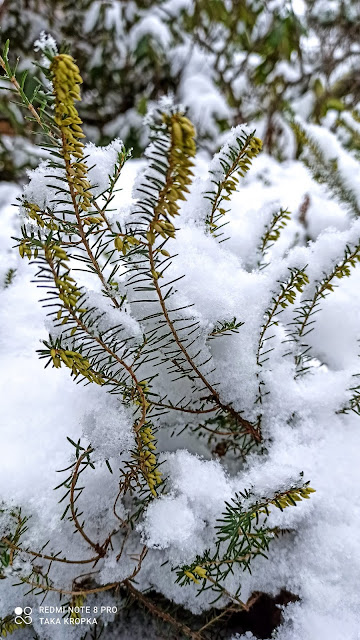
(23, 615)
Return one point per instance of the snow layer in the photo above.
(320, 561)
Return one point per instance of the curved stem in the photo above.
(81, 228)
(230, 171)
(153, 608)
(6, 67)
(46, 557)
(129, 370)
(86, 592)
(184, 409)
(100, 549)
(245, 424)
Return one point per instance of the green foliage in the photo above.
(16, 530)
(303, 323)
(295, 284)
(289, 290)
(74, 235)
(272, 233)
(242, 535)
(235, 161)
(129, 58)
(225, 328)
(354, 402)
(8, 626)
(324, 171)
(10, 276)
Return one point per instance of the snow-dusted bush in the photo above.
(210, 353)
(226, 61)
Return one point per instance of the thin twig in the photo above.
(29, 105)
(153, 608)
(46, 557)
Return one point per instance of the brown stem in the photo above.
(30, 106)
(247, 426)
(14, 547)
(270, 318)
(129, 370)
(86, 592)
(100, 549)
(226, 177)
(153, 608)
(102, 280)
(228, 611)
(78, 592)
(319, 293)
(184, 409)
(102, 209)
(81, 228)
(218, 433)
(229, 595)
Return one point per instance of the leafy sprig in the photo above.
(232, 163)
(272, 233)
(324, 170)
(242, 535)
(303, 323)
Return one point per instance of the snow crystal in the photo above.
(46, 43)
(216, 170)
(170, 520)
(42, 186)
(101, 162)
(109, 428)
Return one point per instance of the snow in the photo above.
(101, 162)
(108, 427)
(332, 150)
(46, 43)
(44, 181)
(319, 559)
(306, 435)
(150, 25)
(180, 519)
(171, 522)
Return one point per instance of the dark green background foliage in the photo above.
(259, 60)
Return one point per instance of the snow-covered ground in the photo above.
(40, 408)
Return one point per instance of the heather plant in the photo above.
(126, 315)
